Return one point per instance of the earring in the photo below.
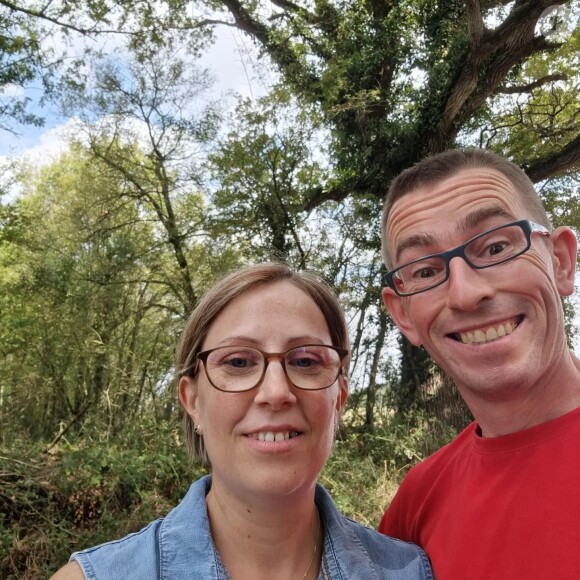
(197, 430)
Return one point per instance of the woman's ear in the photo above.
(342, 393)
(564, 254)
(397, 308)
(188, 398)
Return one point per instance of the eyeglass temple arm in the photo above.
(540, 229)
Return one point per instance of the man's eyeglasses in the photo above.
(485, 250)
(239, 368)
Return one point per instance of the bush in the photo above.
(83, 494)
(366, 468)
(95, 489)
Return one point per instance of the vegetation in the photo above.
(94, 489)
(167, 185)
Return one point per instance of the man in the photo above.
(476, 276)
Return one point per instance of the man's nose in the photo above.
(467, 286)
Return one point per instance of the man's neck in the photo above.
(521, 408)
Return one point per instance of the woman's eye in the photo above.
(304, 362)
(237, 362)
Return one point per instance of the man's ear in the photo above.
(399, 314)
(188, 398)
(564, 251)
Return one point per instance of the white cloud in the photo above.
(49, 145)
(11, 91)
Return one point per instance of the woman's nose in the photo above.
(275, 389)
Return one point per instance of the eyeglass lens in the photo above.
(485, 250)
(239, 368)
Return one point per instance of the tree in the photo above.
(91, 298)
(262, 168)
(396, 81)
(68, 269)
(146, 124)
(50, 42)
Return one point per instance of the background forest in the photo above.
(167, 183)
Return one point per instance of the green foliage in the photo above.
(85, 492)
(366, 467)
(96, 488)
(91, 301)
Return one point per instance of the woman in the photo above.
(262, 375)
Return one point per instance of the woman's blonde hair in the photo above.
(229, 288)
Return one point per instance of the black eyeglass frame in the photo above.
(342, 353)
(528, 227)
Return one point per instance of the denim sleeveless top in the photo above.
(180, 547)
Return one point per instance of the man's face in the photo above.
(515, 306)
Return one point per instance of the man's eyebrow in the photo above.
(466, 223)
(475, 218)
(421, 240)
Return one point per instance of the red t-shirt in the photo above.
(505, 508)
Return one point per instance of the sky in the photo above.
(231, 59)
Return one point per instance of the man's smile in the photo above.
(487, 333)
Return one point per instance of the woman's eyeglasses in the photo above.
(234, 369)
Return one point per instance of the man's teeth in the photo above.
(271, 436)
(487, 335)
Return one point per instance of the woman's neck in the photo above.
(262, 540)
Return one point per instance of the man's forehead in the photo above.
(472, 196)
(470, 184)
(466, 227)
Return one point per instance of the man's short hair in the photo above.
(444, 165)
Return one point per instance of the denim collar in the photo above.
(185, 541)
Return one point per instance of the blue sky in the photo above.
(232, 60)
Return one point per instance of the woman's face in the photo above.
(274, 318)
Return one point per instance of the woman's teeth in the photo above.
(271, 436)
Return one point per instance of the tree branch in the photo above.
(474, 24)
(491, 55)
(280, 52)
(63, 431)
(292, 7)
(533, 85)
(43, 16)
(568, 158)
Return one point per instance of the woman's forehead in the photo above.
(277, 311)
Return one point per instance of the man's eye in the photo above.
(425, 273)
(424, 270)
(495, 248)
